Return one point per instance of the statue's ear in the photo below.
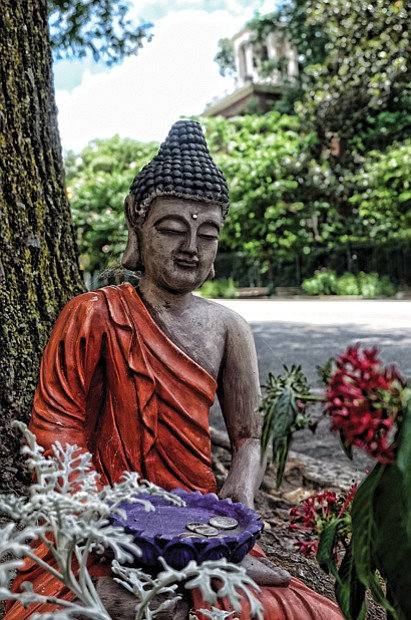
(131, 258)
(211, 274)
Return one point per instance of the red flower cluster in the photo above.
(364, 401)
(314, 513)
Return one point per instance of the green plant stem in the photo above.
(68, 578)
(53, 600)
(44, 565)
(310, 398)
(153, 593)
(86, 583)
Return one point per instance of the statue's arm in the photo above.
(69, 363)
(239, 396)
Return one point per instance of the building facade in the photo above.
(264, 70)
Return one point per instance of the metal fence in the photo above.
(392, 258)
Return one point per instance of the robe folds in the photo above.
(115, 385)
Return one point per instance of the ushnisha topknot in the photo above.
(183, 167)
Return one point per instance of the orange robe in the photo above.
(112, 383)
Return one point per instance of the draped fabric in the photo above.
(112, 383)
(115, 385)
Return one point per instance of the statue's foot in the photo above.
(264, 572)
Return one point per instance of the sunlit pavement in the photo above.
(310, 331)
(371, 313)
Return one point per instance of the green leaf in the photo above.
(403, 461)
(364, 533)
(267, 429)
(285, 411)
(392, 543)
(325, 553)
(324, 372)
(281, 461)
(349, 591)
(404, 196)
(346, 446)
(284, 414)
(363, 525)
(282, 417)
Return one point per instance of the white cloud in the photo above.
(156, 9)
(267, 7)
(173, 75)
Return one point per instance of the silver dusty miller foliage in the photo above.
(68, 511)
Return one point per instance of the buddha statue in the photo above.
(129, 374)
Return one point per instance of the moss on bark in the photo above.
(38, 259)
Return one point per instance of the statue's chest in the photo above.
(202, 343)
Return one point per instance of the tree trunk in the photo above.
(38, 260)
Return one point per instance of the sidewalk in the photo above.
(379, 313)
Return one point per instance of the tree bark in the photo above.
(38, 257)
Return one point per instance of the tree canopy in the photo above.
(337, 174)
(98, 179)
(103, 28)
(361, 90)
(283, 205)
(309, 38)
(225, 57)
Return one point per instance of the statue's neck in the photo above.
(188, 321)
(159, 300)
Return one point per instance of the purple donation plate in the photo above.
(164, 532)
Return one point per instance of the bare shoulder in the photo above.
(224, 319)
(239, 358)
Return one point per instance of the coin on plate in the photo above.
(224, 523)
(194, 525)
(206, 530)
(188, 535)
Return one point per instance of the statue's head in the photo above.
(181, 192)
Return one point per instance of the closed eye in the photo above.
(209, 237)
(171, 231)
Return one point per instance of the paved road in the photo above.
(309, 332)
(328, 311)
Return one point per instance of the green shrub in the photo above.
(326, 282)
(372, 285)
(224, 288)
(347, 284)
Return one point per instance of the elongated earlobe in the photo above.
(132, 256)
(211, 274)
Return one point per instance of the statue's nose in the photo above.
(190, 245)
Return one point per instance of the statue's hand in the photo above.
(245, 496)
(264, 572)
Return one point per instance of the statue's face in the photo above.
(178, 242)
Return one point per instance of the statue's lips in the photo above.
(190, 264)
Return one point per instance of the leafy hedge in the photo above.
(221, 288)
(326, 282)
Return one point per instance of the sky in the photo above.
(172, 76)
